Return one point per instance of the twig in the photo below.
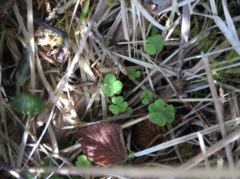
(150, 172)
(31, 43)
(217, 108)
(11, 170)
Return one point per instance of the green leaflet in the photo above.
(27, 104)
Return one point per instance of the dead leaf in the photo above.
(147, 132)
(103, 143)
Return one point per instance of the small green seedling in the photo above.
(160, 115)
(133, 74)
(82, 161)
(146, 97)
(118, 105)
(84, 12)
(128, 111)
(130, 156)
(113, 87)
(155, 44)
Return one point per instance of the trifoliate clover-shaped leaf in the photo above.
(118, 105)
(155, 44)
(113, 87)
(146, 97)
(160, 115)
(151, 49)
(169, 113)
(82, 161)
(109, 79)
(133, 74)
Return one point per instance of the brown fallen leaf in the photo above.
(147, 132)
(103, 143)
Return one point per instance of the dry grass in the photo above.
(91, 53)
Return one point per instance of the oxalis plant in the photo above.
(133, 74)
(118, 105)
(146, 96)
(112, 86)
(155, 44)
(160, 114)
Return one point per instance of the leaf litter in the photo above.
(155, 48)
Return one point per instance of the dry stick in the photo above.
(217, 108)
(44, 56)
(195, 107)
(11, 170)
(210, 151)
(153, 172)
(203, 119)
(31, 43)
(185, 29)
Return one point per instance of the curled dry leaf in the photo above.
(103, 143)
(147, 132)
